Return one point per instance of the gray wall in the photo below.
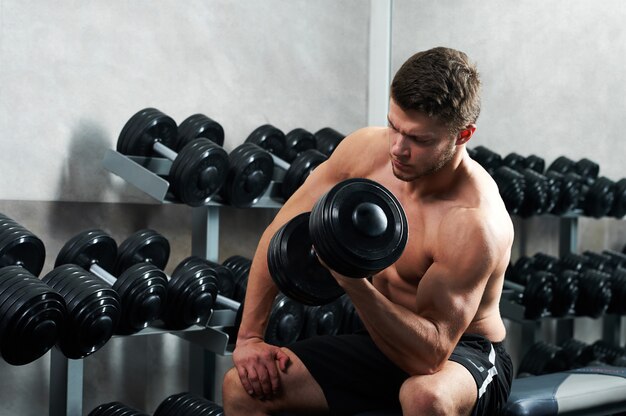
(73, 72)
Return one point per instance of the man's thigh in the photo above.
(352, 372)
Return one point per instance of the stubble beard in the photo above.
(428, 170)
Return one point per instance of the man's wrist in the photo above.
(243, 339)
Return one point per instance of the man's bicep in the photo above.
(450, 293)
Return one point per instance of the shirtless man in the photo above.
(434, 331)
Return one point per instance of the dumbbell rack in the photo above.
(564, 327)
(205, 341)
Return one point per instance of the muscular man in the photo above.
(433, 335)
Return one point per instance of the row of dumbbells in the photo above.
(98, 289)
(544, 358)
(180, 404)
(588, 284)
(202, 170)
(295, 321)
(529, 188)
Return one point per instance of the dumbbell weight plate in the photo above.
(165, 406)
(143, 128)
(295, 268)
(36, 326)
(249, 175)
(225, 279)
(16, 295)
(323, 319)
(225, 276)
(199, 125)
(358, 228)
(143, 290)
(191, 295)
(135, 127)
(599, 198)
(269, 138)
(285, 321)
(18, 245)
(95, 322)
(88, 247)
(181, 405)
(240, 267)
(199, 171)
(144, 245)
(327, 139)
(619, 205)
(299, 170)
(297, 141)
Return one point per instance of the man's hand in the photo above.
(258, 365)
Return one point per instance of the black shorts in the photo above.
(356, 376)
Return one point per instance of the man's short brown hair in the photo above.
(440, 82)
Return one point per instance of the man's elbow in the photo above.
(426, 365)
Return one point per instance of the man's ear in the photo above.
(465, 134)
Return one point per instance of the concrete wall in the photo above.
(73, 72)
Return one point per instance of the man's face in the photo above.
(418, 144)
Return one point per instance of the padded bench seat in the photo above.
(585, 391)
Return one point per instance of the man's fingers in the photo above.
(243, 377)
(283, 359)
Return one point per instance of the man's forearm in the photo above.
(410, 341)
(260, 294)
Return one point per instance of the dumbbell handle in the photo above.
(280, 162)
(164, 150)
(102, 274)
(514, 286)
(227, 303)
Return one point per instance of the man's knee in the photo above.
(232, 389)
(419, 396)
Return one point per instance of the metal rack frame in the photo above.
(205, 341)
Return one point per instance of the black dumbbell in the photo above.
(32, 314)
(295, 173)
(284, 146)
(487, 158)
(298, 141)
(518, 162)
(327, 139)
(269, 138)
(323, 319)
(358, 228)
(535, 294)
(299, 170)
(198, 169)
(594, 282)
(537, 359)
(190, 292)
(141, 288)
(199, 126)
(188, 404)
(561, 291)
(286, 317)
(545, 358)
(297, 162)
(597, 193)
(115, 408)
(239, 267)
(249, 176)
